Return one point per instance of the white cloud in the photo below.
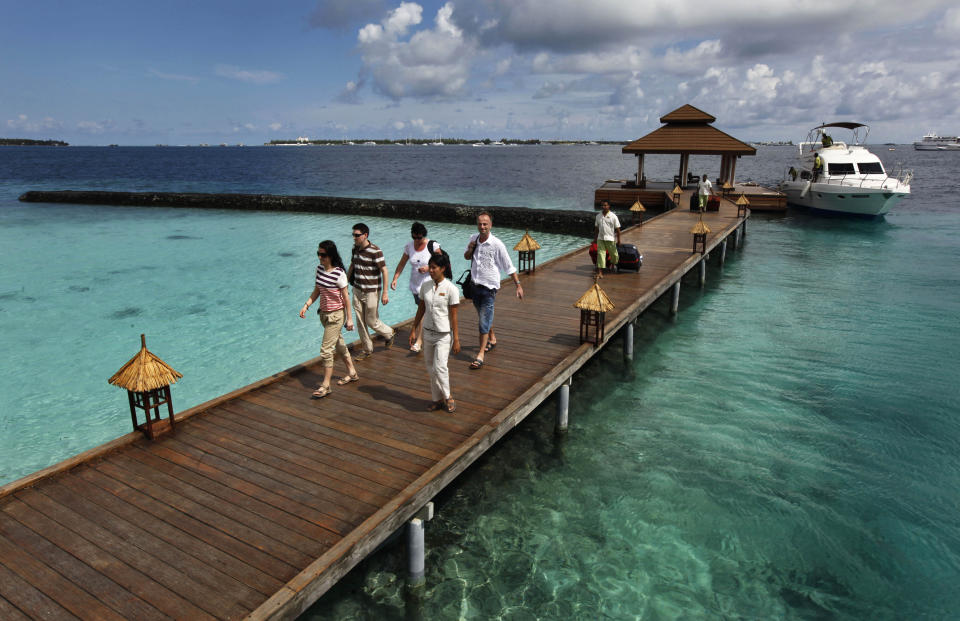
(430, 63)
(247, 75)
(96, 127)
(23, 123)
(949, 26)
(176, 77)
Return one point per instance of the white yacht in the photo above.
(851, 180)
(933, 142)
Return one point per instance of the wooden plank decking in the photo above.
(262, 499)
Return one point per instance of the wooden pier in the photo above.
(262, 499)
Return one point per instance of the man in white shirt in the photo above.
(488, 257)
(704, 189)
(606, 235)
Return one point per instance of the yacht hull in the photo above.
(840, 199)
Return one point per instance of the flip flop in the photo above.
(451, 406)
(476, 364)
(346, 379)
(490, 347)
(321, 392)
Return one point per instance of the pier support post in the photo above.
(563, 406)
(723, 251)
(675, 304)
(628, 340)
(703, 272)
(416, 547)
(415, 551)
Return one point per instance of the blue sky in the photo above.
(132, 72)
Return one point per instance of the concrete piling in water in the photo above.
(563, 406)
(628, 340)
(723, 251)
(703, 272)
(416, 545)
(416, 551)
(675, 304)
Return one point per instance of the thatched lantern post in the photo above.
(527, 253)
(726, 189)
(147, 380)
(637, 210)
(700, 230)
(676, 194)
(593, 306)
(742, 204)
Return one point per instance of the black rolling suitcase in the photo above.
(694, 202)
(630, 258)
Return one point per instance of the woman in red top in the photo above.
(335, 312)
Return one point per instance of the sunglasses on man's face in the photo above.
(358, 234)
(321, 254)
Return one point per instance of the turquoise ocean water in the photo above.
(786, 447)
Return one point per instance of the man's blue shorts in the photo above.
(483, 299)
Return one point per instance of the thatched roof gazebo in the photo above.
(147, 380)
(687, 131)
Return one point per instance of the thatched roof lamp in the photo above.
(637, 210)
(527, 253)
(742, 204)
(593, 306)
(147, 380)
(700, 230)
(726, 188)
(676, 194)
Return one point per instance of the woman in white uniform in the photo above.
(437, 316)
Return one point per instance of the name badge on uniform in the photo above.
(441, 294)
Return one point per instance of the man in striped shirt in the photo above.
(368, 273)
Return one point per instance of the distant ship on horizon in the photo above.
(933, 142)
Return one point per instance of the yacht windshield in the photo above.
(870, 168)
(844, 168)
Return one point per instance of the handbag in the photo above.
(466, 283)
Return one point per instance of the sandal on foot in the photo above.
(415, 348)
(490, 347)
(436, 405)
(451, 406)
(476, 364)
(346, 379)
(321, 392)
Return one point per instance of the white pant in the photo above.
(436, 351)
(365, 312)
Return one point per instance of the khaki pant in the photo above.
(436, 352)
(603, 247)
(332, 338)
(367, 317)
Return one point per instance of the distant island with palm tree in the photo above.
(27, 142)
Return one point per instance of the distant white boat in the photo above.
(370, 143)
(498, 143)
(933, 142)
